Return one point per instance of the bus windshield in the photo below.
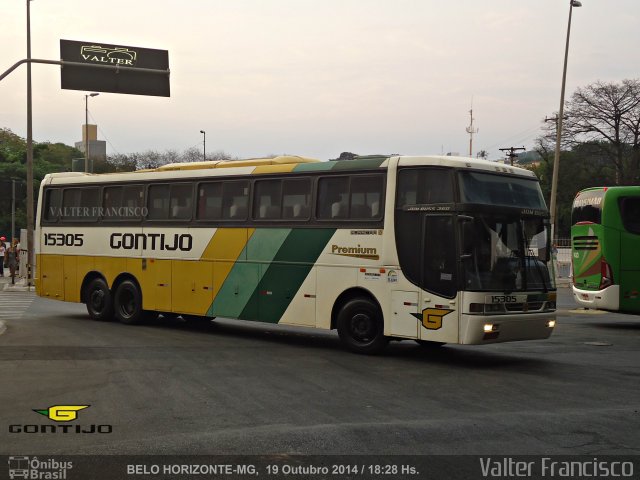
(493, 189)
(587, 207)
(505, 253)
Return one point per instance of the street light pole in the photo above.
(86, 130)
(204, 145)
(556, 159)
(13, 210)
(29, 156)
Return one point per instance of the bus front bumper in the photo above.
(482, 329)
(606, 299)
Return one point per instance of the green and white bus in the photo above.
(605, 247)
(434, 249)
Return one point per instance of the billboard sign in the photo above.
(129, 77)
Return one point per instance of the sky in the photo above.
(317, 78)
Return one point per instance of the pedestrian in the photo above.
(11, 259)
(3, 249)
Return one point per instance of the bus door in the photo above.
(439, 301)
(629, 260)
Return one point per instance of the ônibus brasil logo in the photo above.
(60, 414)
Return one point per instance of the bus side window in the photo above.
(333, 198)
(70, 199)
(266, 200)
(112, 199)
(366, 197)
(91, 200)
(52, 204)
(235, 200)
(296, 194)
(80, 204)
(209, 201)
(181, 201)
(630, 212)
(417, 186)
(158, 202)
(407, 188)
(132, 197)
(122, 203)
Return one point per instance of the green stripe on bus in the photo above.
(362, 164)
(357, 164)
(314, 167)
(237, 294)
(285, 275)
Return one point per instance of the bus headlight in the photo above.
(490, 327)
(551, 323)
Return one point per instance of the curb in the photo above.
(18, 288)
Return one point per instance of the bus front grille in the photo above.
(523, 307)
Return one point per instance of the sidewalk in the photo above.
(20, 285)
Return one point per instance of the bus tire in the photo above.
(429, 344)
(99, 302)
(361, 327)
(127, 303)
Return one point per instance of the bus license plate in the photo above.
(505, 299)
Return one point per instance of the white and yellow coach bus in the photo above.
(435, 249)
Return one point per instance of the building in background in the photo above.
(97, 148)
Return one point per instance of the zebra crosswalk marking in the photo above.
(14, 304)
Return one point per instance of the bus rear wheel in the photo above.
(360, 326)
(98, 300)
(127, 303)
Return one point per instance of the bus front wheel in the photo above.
(360, 326)
(127, 303)
(99, 301)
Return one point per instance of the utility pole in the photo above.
(13, 210)
(204, 145)
(512, 152)
(555, 120)
(30, 208)
(471, 131)
(556, 157)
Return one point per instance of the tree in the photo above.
(347, 156)
(191, 155)
(581, 167)
(47, 158)
(607, 116)
(222, 155)
(483, 154)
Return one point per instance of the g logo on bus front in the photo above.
(64, 239)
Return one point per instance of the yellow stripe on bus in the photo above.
(274, 169)
(225, 247)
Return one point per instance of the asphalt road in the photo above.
(239, 388)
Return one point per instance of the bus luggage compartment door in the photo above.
(52, 277)
(404, 311)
